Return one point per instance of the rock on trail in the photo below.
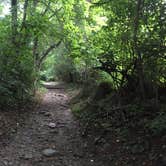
(49, 152)
(49, 136)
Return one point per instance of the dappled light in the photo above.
(82, 83)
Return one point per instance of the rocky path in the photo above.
(49, 137)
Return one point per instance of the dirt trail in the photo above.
(50, 126)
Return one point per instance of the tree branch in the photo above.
(24, 14)
(47, 51)
(35, 47)
(14, 20)
(55, 13)
(46, 9)
(100, 3)
(52, 10)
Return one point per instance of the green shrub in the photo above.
(158, 125)
(64, 69)
(16, 70)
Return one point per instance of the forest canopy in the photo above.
(103, 61)
(123, 41)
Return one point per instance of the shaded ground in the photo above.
(51, 125)
(125, 135)
(25, 134)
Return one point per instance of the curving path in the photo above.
(49, 136)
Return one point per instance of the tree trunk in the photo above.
(24, 14)
(14, 20)
(139, 66)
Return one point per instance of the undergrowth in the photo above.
(103, 110)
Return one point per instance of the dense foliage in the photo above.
(114, 53)
(120, 42)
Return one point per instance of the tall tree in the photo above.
(14, 4)
(139, 63)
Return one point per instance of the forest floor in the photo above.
(48, 135)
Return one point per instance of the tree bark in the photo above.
(47, 51)
(24, 14)
(35, 50)
(137, 51)
(14, 23)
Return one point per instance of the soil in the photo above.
(49, 126)
(47, 134)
